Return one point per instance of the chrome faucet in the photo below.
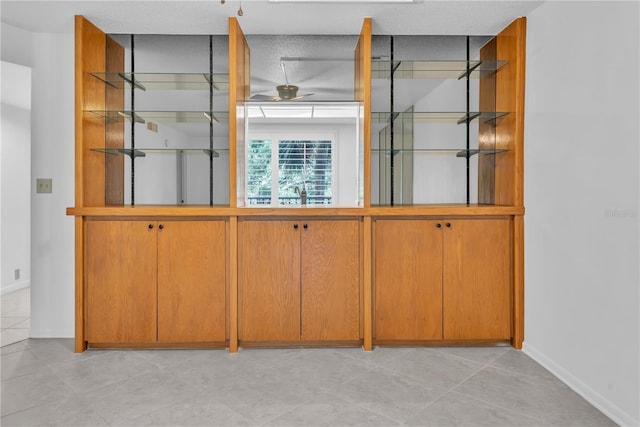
(302, 193)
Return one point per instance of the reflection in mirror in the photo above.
(303, 153)
(176, 118)
(425, 119)
(320, 68)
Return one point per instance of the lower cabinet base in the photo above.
(157, 345)
(441, 343)
(299, 344)
(303, 344)
(362, 279)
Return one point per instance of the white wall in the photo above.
(52, 244)
(52, 156)
(581, 196)
(17, 45)
(15, 176)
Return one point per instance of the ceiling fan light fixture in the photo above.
(286, 92)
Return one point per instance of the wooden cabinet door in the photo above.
(408, 279)
(120, 281)
(477, 279)
(269, 280)
(330, 299)
(191, 281)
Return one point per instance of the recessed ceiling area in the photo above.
(265, 17)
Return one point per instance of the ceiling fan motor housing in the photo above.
(287, 91)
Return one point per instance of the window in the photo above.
(302, 164)
(259, 172)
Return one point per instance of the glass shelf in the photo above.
(384, 69)
(438, 117)
(165, 116)
(165, 81)
(142, 152)
(459, 152)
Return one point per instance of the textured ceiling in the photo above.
(262, 17)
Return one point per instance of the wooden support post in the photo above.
(233, 284)
(367, 285)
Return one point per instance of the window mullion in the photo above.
(275, 173)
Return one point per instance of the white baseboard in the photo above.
(50, 333)
(603, 404)
(15, 287)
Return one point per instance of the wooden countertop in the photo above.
(224, 211)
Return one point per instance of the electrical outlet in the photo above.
(44, 185)
(16, 274)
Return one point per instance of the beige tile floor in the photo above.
(15, 309)
(45, 383)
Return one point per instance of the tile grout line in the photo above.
(17, 412)
(346, 399)
(439, 396)
(16, 304)
(330, 391)
(513, 372)
(502, 408)
(489, 365)
(451, 389)
(254, 424)
(89, 360)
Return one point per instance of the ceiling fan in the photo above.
(286, 92)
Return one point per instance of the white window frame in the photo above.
(275, 137)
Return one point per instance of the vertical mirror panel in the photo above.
(318, 68)
(428, 119)
(175, 119)
(303, 126)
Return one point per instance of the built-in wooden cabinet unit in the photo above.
(383, 271)
(408, 279)
(122, 281)
(192, 281)
(476, 279)
(299, 281)
(442, 279)
(155, 281)
(269, 281)
(330, 270)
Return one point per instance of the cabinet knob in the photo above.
(150, 226)
(161, 227)
(295, 226)
(439, 225)
(448, 225)
(305, 226)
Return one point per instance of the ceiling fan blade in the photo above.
(260, 97)
(300, 96)
(261, 80)
(331, 90)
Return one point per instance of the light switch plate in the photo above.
(43, 185)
